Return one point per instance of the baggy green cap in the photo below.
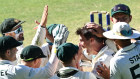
(120, 8)
(8, 24)
(8, 42)
(51, 27)
(67, 51)
(31, 53)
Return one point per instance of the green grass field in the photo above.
(72, 13)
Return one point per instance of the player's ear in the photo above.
(91, 40)
(111, 19)
(35, 61)
(130, 18)
(8, 52)
(75, 57)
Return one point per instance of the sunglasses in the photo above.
(17, 31)
(120, 7)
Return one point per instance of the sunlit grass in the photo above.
(72, 13)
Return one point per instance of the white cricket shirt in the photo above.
(104, 56)
(126, 63)
(78, 75)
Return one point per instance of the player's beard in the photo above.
(19, 37)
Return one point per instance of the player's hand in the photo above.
(61, 36)
(44, 16)
(103, 71)
(80, 51)
(98, 29)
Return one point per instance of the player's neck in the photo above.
(99, 47)
(123, 43)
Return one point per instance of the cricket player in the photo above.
(125, 63)
(12, 27)
(46, 47)
(70, 55)
(97, 48)
(119, 13)
(10, 71)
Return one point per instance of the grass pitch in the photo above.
(72, 13)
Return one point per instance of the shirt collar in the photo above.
(67, 69)
(67, 72)
(102, 50)
(128, 47)
(2, 62)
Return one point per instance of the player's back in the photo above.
(65, 73)
(6, 70)
(127, 62)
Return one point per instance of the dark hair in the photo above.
(69, 60)
(87, 33)
(2, 54)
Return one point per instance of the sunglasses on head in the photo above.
(120, 7)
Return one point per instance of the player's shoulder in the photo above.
(108, 50)
(137, 43)
(22, 68)
(45, 45)
(54, 77)
(85, 75)
(116, 59)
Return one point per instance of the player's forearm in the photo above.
(39, 36)
(53, 60)
(49, 36)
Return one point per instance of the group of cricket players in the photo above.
(113, 54)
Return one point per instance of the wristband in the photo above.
(42, 26)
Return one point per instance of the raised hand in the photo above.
(44, 17)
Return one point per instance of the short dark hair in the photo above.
(2, 54)
(87, 33)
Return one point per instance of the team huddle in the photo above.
(112, 54)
